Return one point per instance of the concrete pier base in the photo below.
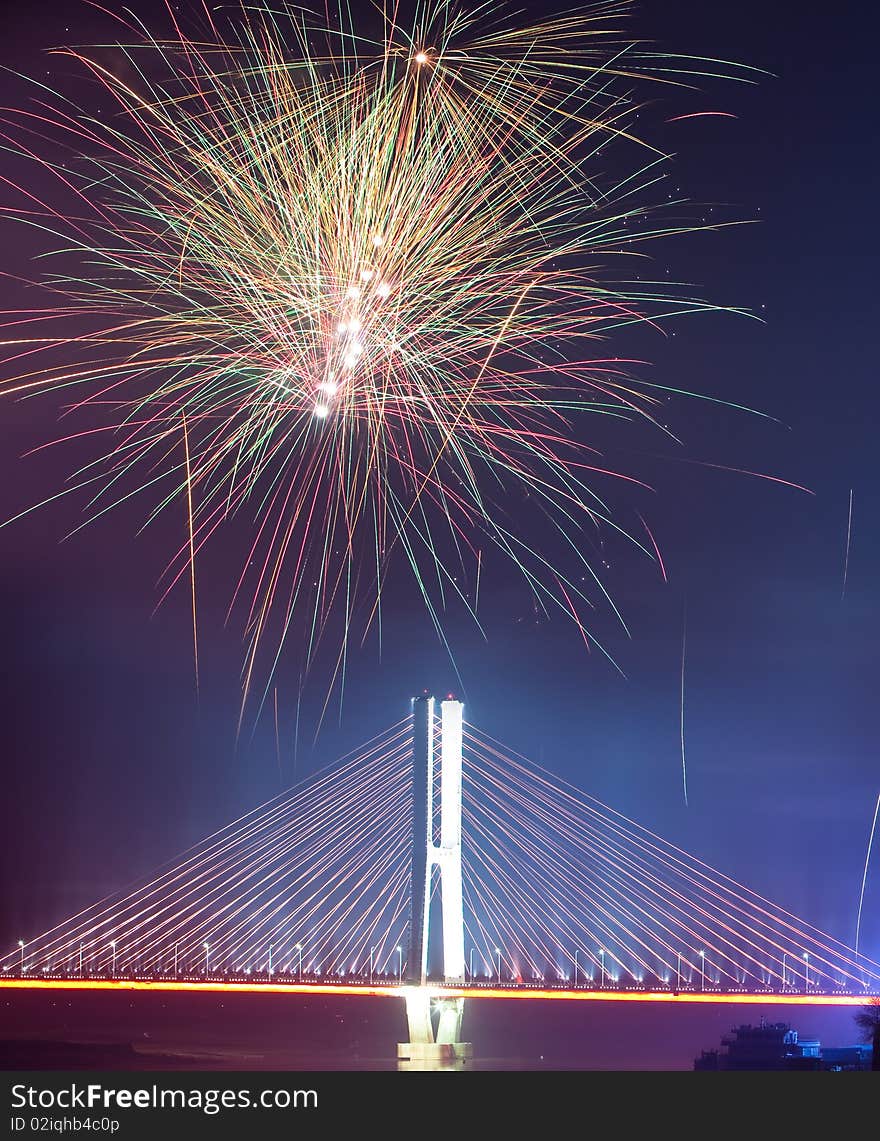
(429, 1048)
(434, 1055)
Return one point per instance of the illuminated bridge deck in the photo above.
(483, 991)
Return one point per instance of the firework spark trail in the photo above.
(299, 689)
(660, 562)
(278, 740)
(865, 873)
(368, 283)
(192, 551)
(701, 115)
(681, 713)
(848, 539)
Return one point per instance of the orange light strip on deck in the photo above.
(194, 987)
(437, 992)
(663, 996)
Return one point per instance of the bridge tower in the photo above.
(427, 1042)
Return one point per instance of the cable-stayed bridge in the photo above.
(536, 888)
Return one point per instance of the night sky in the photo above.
(111, 764)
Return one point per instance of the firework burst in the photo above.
(356, 291)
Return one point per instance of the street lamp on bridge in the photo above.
(702, 970)
(207, 947)
(498, 954)
(399, 965)
(113, 958)
(576, 966)
(602, 958)
(21, 952)
(806, 971)
(471, 964)
(270, 960)
(372, 961)
(299, 965)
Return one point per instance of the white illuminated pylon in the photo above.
(448, 855)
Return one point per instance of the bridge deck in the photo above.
(385, 990)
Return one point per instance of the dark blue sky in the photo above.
(111, 765)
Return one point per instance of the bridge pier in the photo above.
(430, 1046)
(437, 1045)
